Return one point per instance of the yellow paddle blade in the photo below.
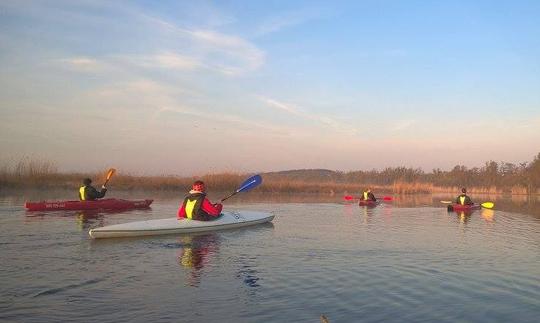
(488, 205)
(110, 173)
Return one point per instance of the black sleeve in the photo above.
(372, 197)
(468, 200)
(92, 193)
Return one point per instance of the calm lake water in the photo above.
(406, 261)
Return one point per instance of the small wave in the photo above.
(68, 287)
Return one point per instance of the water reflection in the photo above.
(488, 215)
(526, 204)
(195, 253)
(84, 219)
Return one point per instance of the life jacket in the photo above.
(82, 193)
(366, 196)
(462, 199)
(192, 206)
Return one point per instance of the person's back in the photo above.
(368, 196)
(197, 207)
(463, 198)
(88, 193)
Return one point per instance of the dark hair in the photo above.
(87, 181)
(464, 190)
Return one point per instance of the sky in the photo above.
(196, 87)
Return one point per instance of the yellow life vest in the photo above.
(190, 205)
(462, 200)
(366, 197)
(82, 194)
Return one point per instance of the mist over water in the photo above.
(404, 261)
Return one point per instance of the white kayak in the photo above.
(227, 220)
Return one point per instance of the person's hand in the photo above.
(103, 187)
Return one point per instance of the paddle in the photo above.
(110, 174)
(486, 205)
(385, 198)
(248, 184)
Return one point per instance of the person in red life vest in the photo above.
(197, 207)
(368, 196)
(463, 199)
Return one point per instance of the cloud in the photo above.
(401, 125)
(83, 64)
(236, 55)
(325, 120)
(280, 105)
(290, 19)
(163, 60)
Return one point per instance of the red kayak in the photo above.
(368, 203)
(103, 204)
(463, 208)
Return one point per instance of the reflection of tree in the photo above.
(196, 252)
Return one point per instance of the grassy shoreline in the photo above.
(523, 181)
(230, 182)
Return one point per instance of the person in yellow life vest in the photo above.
(88, 193)
(368, 196)
(197, 207)
(463, 199)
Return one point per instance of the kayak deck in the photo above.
(368, 203)
(227, 220)
(463, 208)
(103, 204)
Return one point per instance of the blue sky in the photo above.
(190, 87)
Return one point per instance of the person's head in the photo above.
(199, 186)
(87, 181)
(368, 190)
(464, 190)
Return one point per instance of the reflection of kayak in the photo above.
(463, 208)
(103, 204)
(368, 203)
(227, 220)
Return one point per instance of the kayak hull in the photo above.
(103, 204)
(228, 220)
(463, 208)
(368, 203)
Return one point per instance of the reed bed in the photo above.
(29, 173)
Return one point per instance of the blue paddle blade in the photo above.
(250, 183)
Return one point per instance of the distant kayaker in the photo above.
(463, 198)
(368, 196)
(88, 193)
(197, 207)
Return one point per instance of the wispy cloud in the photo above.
(325, 120)
(82, 64)
(285, 20)
(236, 55)
(401, 125)
(163, 60)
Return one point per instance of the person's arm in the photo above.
(92, 193)
(468, 201)
(102, 193)
(181, 212)
(212, 209)
(372, 197)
